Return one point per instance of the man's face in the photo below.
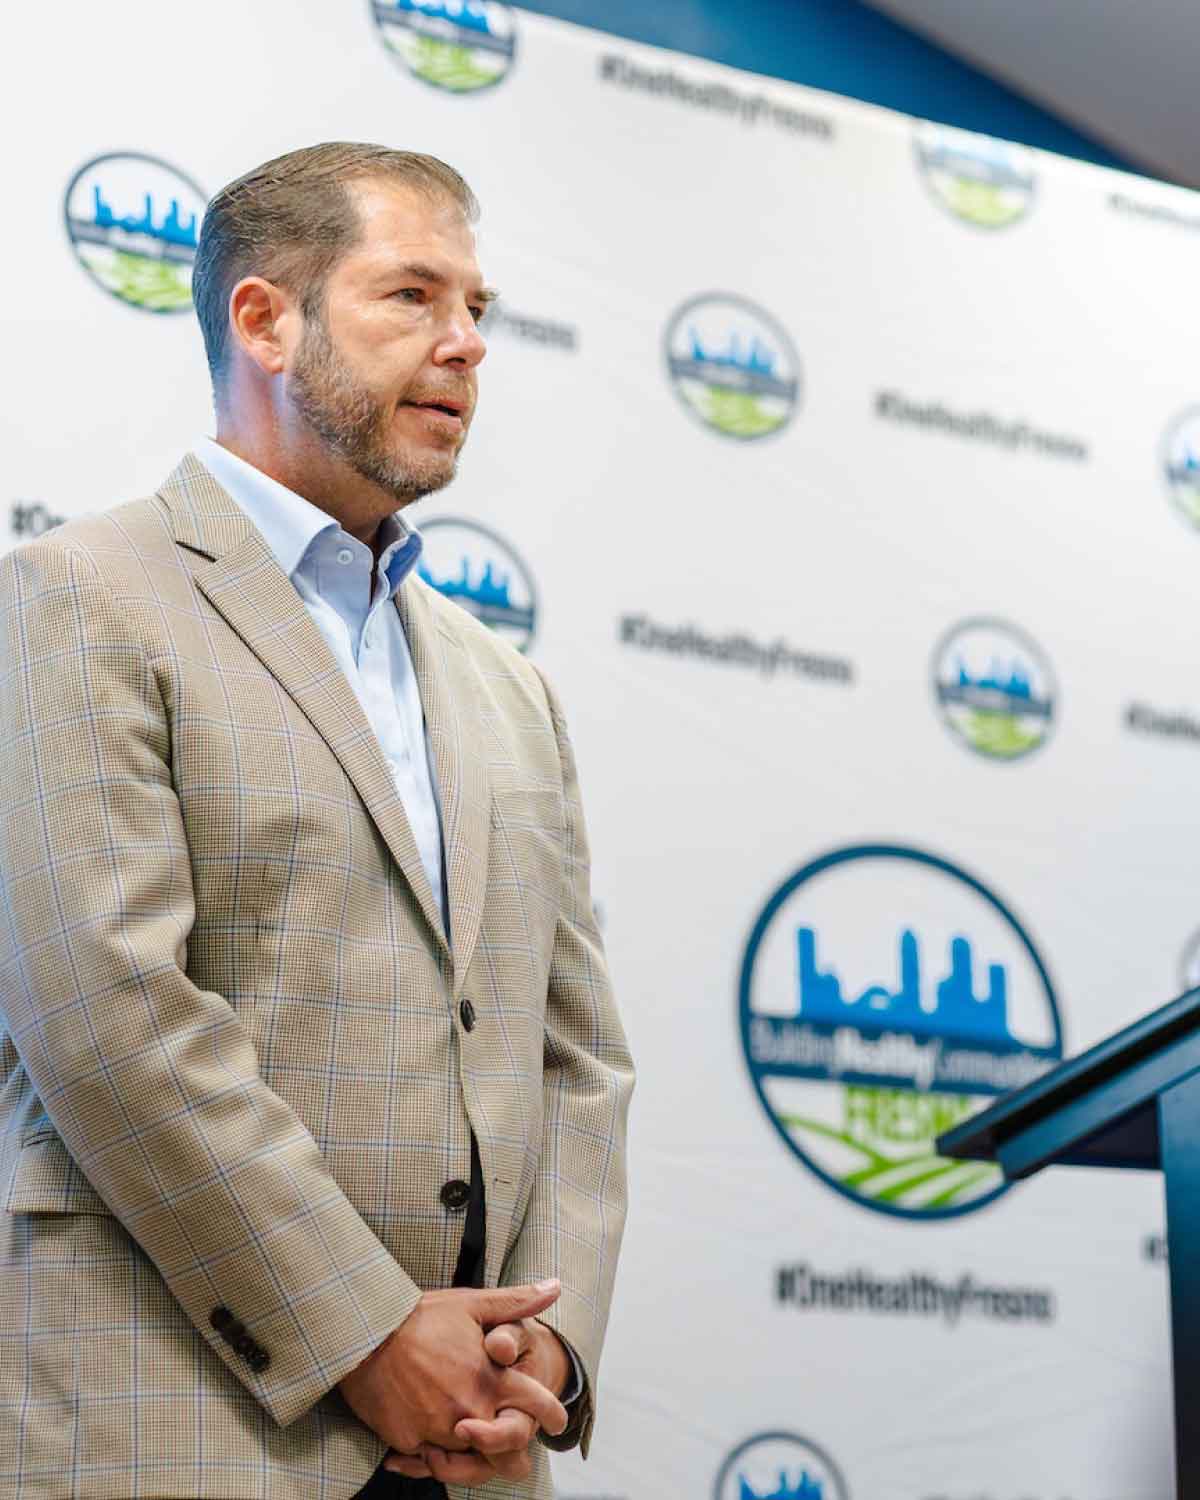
(385, 376)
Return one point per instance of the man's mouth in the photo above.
(448, 408)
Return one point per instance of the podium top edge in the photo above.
(978, 1138)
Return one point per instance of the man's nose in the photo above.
(462, 342)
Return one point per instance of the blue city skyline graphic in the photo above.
(951, 1010)
(804, 1488)
(1000, 174)
(491, 591)
(1006, 687)
(1012, 680)
(467, 14)
(488, 596)
(173, 229)
(982, 160)
(725, 345)
(758, 358)
(1186, 468)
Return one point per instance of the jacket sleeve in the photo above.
(151, 1082)
(573, 1226)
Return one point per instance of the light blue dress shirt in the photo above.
(350, 602)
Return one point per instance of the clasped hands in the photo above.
(461, 1388)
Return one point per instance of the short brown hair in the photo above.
(292, 219)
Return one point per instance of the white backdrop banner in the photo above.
(844, 472)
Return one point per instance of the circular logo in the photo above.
(995, 689)
(733, 366)
(458, 45)
(779, 1466)
(479, 570)
(982, 181)
(885, 996)
(1181, 462)
(133, 222)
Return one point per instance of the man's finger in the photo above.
(507, 1343)
(514, 1388)
(471, 1468)
(411, 1465)
(458, 1468)
(509, 1304)
(510, 1432)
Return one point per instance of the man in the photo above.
(313, 1087)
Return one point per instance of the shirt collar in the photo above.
(290, 524)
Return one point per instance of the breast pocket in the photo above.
(521, 799)
(46, 1180)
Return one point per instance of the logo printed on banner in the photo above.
(886, 995)
(980, 1494)
(1179, 215)
(733, 366)
(461, 46)
(779, 1466)
(920, 1294)
(1166, 724)
(546, 332)
(479, 570)
(1181, 462)
(995, 689)
(982, 181)
(133, 222)
(1015, 435)
(711, 94)
(732, 649)
(30, 518)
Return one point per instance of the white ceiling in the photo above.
(1125, 72)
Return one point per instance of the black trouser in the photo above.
(385, 1486)
(468, 1272)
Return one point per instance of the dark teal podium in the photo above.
(1131, 1101)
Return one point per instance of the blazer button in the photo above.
(253, 1353)
(455, 1195)
(230, 1328)
(466, 1013)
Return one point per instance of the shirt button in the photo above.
(455, 1195)
(466, 1014)
(345, 555)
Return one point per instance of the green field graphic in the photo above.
(449, 65)
(1187, 497)
(157, 285)
(999, 734)
(982, 203)
(891, 1133)
(737, 412)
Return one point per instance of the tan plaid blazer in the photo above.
(232, 1071)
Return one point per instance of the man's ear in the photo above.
(260, 315)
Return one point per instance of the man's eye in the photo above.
(479, 313)
(411, 293)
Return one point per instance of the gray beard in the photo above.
(354, 426)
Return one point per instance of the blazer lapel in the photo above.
(244, 582)
(452, 698)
